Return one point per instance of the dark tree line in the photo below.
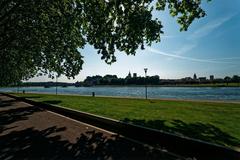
(114, 80)
(151, 80)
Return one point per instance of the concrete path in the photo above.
(29, 132)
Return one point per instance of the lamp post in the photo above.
(17, 87)
(56, 85)
(145, 70)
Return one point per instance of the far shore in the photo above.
(148, 85)
(191, 85)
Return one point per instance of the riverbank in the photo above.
(213, 122)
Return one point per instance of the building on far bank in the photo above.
(134, 75)
(194, 77)
(129, 75)
(211, 77)
(187, 79)
(202, 79)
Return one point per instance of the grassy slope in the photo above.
(213, 122)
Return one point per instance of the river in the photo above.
(194, 93)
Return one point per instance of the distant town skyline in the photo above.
(209, 47)
(130, 74)
(134, 79)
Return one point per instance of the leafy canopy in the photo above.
(44, 36)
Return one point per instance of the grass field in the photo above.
(215, 122)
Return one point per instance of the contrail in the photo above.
(227, 58)
(185, 58)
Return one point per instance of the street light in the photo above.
(145, 70)
(56, 84)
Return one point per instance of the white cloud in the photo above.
(201, 32)
(185, 48)
(209, 27)
(152, 50)
(227, 58)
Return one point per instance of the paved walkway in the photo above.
(29, 132)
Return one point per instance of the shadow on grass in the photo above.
(27, 96)
(52, 102)
(205, 132)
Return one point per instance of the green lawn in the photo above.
(213, 122)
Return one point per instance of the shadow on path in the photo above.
(34, 144)
(15, 115)
(7, 103)
(52, 142)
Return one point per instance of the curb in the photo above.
(183, 146)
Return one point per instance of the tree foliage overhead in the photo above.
(45, 36)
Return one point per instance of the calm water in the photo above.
(197, 93)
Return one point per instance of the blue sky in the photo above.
(210, 46)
